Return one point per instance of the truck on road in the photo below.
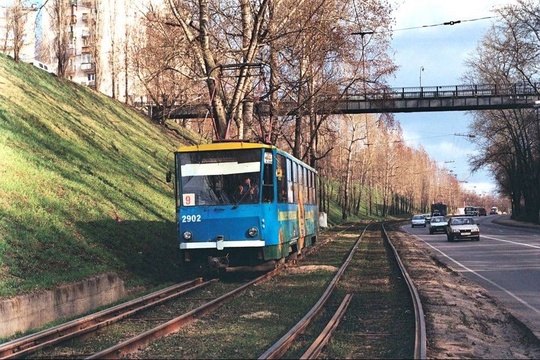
(438, 209)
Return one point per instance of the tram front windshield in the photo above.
(219, 177)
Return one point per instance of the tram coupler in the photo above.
(216, 262)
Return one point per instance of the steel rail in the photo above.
(420, 337)
(282, 345)
(133, 344)
(31, 343)
(320, 342)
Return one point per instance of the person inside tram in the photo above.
(283, 195)
(244, 186)
(247, 191)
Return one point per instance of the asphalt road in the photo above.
(506, 262)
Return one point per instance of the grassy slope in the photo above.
(82, 187)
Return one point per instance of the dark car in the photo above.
(437, 224)
(462, 227)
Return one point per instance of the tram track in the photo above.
(135, 343)
(45, 344)
(420, 336)
(264, 318)
(30, 344)
(280, 348)
(66, 340)
(201, 325)
(282, 345)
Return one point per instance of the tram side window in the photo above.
(296, 182)
(281, 176)
(313, 189)
(310, 186)
(268, 179)
(304, 187)
(300, 195)
(299, 192)
(290, 183)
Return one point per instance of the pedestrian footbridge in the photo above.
(388, 100)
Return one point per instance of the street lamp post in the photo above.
(421, 69)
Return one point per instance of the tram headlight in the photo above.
(252, 232)
(187, 235)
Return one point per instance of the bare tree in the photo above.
(296, 52)
(62, 23)
(353, 135)
(224, 38)
(164, 64)
(113, 55)
(510, 139)
(16, 22)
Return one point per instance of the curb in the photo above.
(506, 221)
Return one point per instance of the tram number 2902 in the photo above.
(191, 218)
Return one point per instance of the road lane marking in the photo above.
(509, 293)
(511, 242)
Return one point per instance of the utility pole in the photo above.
(370, 182)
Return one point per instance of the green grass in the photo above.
(82, 185)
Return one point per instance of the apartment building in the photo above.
(99, 35)
(11, 19)
(81, 67)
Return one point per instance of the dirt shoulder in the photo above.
(462, 319)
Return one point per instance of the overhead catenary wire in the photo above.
(446, 23)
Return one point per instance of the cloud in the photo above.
(446, 150)
(480, 187)
(411, 138)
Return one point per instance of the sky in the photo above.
(421, 42)
(441, 51)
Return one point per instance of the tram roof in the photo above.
(231, 145)
(228, 145)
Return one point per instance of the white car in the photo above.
(43, 66)
(462, 227)
(437, 223)
(418, 220)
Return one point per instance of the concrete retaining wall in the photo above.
(30, 311)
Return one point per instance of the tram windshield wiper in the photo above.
(240, 200)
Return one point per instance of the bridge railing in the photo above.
(445, 92)
(425, 98)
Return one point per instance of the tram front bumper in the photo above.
(221, 245)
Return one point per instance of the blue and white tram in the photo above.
(241, 203)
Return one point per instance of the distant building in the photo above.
(8, 20)
(82, 29)
(98, 32)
